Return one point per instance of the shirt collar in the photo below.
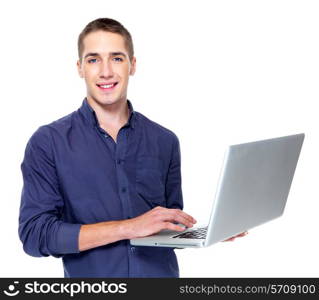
(90, 114)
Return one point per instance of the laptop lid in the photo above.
(254, 185)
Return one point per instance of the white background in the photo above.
(214, 72)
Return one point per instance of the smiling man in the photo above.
(103, 174)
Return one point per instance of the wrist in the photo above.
(125, 229)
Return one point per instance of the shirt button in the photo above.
(123, 189)
(132, 249)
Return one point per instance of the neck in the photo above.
(110, 115)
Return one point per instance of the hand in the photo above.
(157, 219)
(236, 236)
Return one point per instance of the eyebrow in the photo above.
(111, 54)
(118, 53)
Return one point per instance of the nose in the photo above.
(106, 69)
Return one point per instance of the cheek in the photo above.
(90, 73)
(122, 71)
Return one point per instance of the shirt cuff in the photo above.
(68, 238)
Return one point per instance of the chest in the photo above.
(98, 175)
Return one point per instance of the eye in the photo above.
(92, 60)
(118, 59)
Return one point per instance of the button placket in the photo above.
(121, 175)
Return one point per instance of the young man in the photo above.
(102, 174)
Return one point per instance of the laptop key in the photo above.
(199, 233)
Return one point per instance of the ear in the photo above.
(133, 66)
(79, 66)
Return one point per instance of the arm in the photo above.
(153, 221)
(41, 229)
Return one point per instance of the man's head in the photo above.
(106, 60)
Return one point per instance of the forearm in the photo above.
(153, 221)
(46, 235)
(103, 233)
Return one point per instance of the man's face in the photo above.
(105, 67)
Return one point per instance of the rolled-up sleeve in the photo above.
(174, 196)
(41, 228)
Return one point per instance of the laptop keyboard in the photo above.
(199, 233)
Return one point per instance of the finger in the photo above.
(177, 218)
(182, 214)
(229, 240)
(242, 234)
(187, 216)
(171, 226)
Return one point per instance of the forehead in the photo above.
(103, 42)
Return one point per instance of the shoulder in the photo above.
(155, 128)
(42, 137)
(62, 124)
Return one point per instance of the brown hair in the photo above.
(108, 25)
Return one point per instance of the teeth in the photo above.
(106, 86)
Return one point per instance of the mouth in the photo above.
(107, 86)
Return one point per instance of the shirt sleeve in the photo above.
(174, 197)
(41, 229)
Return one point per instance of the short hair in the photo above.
(108, 25)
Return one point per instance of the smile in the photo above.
(108, 86)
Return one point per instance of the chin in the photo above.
(102, 101)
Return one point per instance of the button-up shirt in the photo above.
(74, 173)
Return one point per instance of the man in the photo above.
(103, 174)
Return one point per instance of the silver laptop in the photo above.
(253, 188)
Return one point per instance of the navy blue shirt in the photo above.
(74, 173)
